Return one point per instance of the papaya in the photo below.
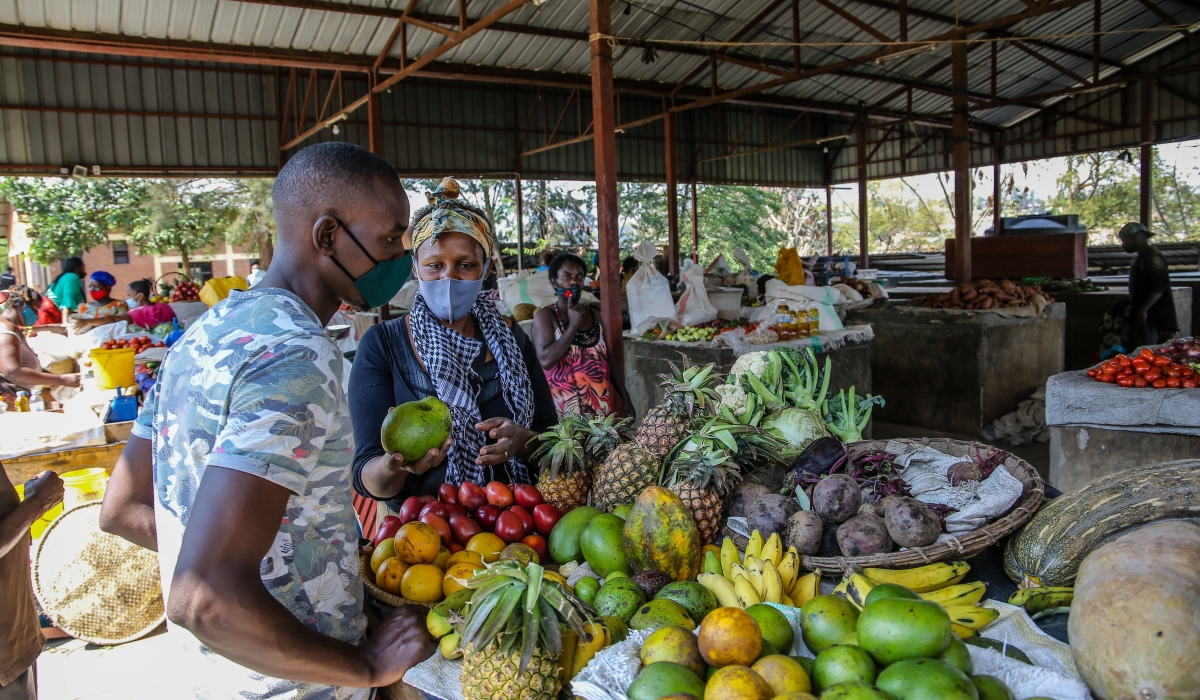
(660, 533)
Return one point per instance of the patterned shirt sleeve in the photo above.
(283, 405)
(143, 427)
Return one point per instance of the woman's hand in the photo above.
(432, 458)
(69, 379)
(575, 315)
(511, 441)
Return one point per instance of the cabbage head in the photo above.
(797, 427)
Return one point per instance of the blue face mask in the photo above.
(451, 299)
(29, 316)
(378, 286)
(570, 293)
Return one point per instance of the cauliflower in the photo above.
(754, 362)
(733, 396)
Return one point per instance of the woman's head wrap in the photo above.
(20, 294)
(103, 278)
(447, 212)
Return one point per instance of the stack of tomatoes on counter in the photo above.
(138, 344)
(1146, 369)
(514, 514)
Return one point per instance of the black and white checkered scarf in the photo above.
(448, 356)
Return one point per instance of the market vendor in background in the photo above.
(99, 287)
(456, 346)
(140, 311)
(1151, 304)
(66, 291)
(19, 366)
(571, 348)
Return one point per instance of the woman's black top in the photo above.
(386, 373)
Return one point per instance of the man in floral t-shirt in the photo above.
(238, 470)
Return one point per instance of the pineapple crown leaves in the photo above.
(561, 446)
(513, 604)
(604, 434)
(690, 388)
(706, 459)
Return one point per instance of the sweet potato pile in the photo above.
(983, 295)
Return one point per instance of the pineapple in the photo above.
(564, 481)
(603, 435)
(629, 469)
(688, 391)
(512, 639)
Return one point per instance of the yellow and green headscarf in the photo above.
(446, 212)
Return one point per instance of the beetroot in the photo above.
(963, 472)
(804, 530)
(911, 523)
(863, 535)
(836, 498)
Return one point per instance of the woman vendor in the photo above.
(99, 287)
(19, 367)
(140, 310)
(66, 291)
(571, 348)
(456, 346)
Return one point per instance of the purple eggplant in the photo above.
(819, 457)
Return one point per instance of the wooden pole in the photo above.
(864, 259)
(695, 228)
(604, 123)
(520, 227)
(962, 166)
(828, 218)
(375, 124)
(997, 192)
(672, 196)
(1147, 155)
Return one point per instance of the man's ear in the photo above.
(324, 232)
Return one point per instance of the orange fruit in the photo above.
(422, 583)
(442, 558)
(737, 683)
(417, 543)
(486, 545)
(729, 637)
(457, 576)
(464, 555)
(390, 574)
(709, 548)
(384, 550)
(783, 674)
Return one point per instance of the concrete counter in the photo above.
(956, 372)
(645, 360)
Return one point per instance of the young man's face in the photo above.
(1129, 242)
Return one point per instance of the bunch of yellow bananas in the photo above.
(938, 583)
(766, 574)
(576, 652)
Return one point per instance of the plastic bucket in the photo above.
(39, 526)
(728, 301)
(84, 486)
(113, 368)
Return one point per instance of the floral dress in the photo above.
(580, 382)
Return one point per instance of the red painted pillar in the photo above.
(605, 142)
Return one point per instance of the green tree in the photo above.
(734, 217)
(1102, 188)
(253, 221)
(71, 216)
(185, 216)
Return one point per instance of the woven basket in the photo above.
(378, 593)
(95, 586)
(959, 547)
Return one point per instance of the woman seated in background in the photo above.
(571, 348)
(66, 291)
(141, 311)
(19, 366)
(453, 345)
(99, 287)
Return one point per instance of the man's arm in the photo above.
(41, 494)
(218, 595)
(128, 509)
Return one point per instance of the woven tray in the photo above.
(961, 546)
(368, 577)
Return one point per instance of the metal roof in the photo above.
(208, 86)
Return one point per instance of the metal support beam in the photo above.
(520, 227)
(852, 19)
(997, 190)
(1146, 189)
(962, 168)
(1096, 41)
(796, 35)
(695, 227)
(864, 260)
(828, 216)
(1166, 17)
(607, 219)
(672, 196)
(375, 124)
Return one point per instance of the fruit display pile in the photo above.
(186, 290)
(1168, 367)
(138, 344)
(697, 333)
(985, 295)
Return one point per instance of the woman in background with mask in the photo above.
(140, 311)
(19, 367)
(456, 346)
(572, 351)
(99, 287)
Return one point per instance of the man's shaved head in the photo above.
(330, 175)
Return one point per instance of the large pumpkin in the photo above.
(660, 533)
(1135, 619)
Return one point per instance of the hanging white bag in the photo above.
(648, 292)
(694, 306)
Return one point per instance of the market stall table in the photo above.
(956, 371)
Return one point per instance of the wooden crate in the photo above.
(28, 466)
(1015, 257)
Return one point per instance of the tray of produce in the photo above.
(1170, 366)
(986, 295)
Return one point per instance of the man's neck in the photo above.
(307, 286)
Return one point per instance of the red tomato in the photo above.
(1122, 360)
(1107, 367)
(454, 509)
(463, 528)
(427, 498)
(439, 523)
(387, 528)
(1141, 367)
(545, 517)
(526, 518)
(499, 494)
(527, 496)
(486, 516)
(509, 527)
(438, 509)
(1147, 353)
(454, 547)
(1160, 384)
(448, 493)
(1161, 361)
(471, 496)
(1139, 382)
(410, 510)
(1093, 372)
(538, 543)
(1174, 371)
(1124, 381)
(1173, 383)
(1153, 375)
(1188, 384)
(1107, 377)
